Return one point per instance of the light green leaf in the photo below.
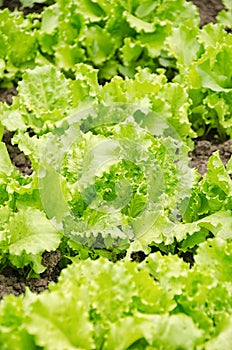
(6, 166)
(219, 224)
(225, 16)
(183, 44)
(130, 51)
(48, 98)
(154, 41)
(12, 116)
(212, 33)
(30, 232)
(161, 331)
(66, 55)
(99, 50)
(223, 339)
(59, 326)
(138, 24)
(213, 68)
(218, 175)
(215, 254)
(13, 334)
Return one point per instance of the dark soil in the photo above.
(20, 161)
(6, 95)
(16, 4)
(13, 280)
(203, 150)
(208, 10)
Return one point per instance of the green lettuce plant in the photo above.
(160, 303)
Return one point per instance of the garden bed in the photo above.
(177, 185)
(14, 281)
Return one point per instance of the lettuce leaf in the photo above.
(27, 235)
(15, 29)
